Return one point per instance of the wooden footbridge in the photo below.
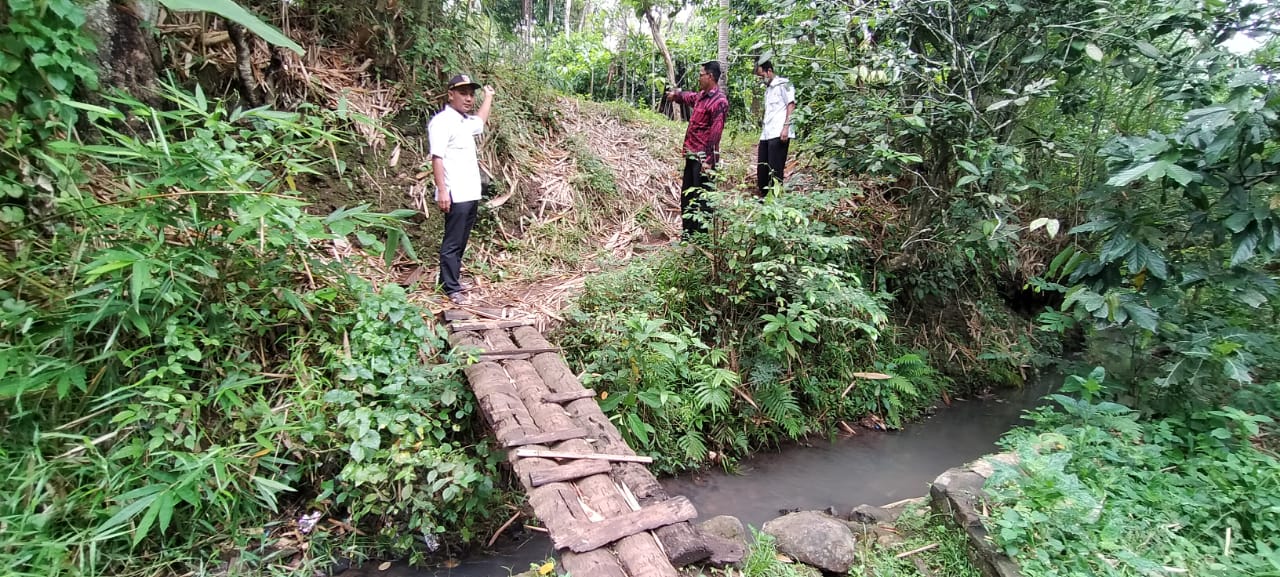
(603, 509)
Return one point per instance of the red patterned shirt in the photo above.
(705, 125)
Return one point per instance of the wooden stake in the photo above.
(503, 528)
(914, 551)
(571, 455)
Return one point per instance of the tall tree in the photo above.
(654, 27)
(722, 52)
(526, 21)
(568, 8)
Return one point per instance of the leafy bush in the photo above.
(1099, 491)
(169, 362)
(405, 426)
(753, 339)
(43, 59)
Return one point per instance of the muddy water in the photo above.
(870, 467)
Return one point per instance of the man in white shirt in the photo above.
(451, 135)
(775, 138)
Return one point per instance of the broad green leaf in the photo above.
(1181, 175)
(637, 427)
(1235, 369)
(1131, 174)
(969, 167)
(1142, 316)
(1058, 261)
(1238, 221)
(1093, 51)
(235, 13)
(1147, 49)
(997, 105)
(1246, 247)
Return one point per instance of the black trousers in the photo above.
(771, 160)
(457, 231)
(695, 183)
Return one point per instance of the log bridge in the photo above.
(605, 512)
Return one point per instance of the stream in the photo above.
(874, 468)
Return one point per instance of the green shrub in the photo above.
(184, 373)
(1099, 491)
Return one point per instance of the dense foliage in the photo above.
(181, 357)
(1098, 491)
(759, 336)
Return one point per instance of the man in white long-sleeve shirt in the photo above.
(775, 138)
(451, 135)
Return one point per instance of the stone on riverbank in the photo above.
(958, 494)
(727, 539)
(816, 539)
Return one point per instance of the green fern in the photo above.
(693, 446)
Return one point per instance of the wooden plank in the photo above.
(530, 337)
(569, 472)
(683, 544)
(457, 326)
(573, 455)
(457, 315)
(519, 351)
(472, 312)
(598, 563)
(562, 398)
(551, 437)
(499, 402)
(588, 537)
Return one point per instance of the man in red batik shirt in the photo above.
(701, 142)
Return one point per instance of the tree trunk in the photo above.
(568, 9)
(526, 21)
(623, 53)
(127, 56)
(244, 65)
(666, 56)
(723, 53)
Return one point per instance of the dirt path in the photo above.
(568, 229)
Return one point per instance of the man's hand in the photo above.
(488, 91)
(784, 135)
(672, 94)
(444, 202)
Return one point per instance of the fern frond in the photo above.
(693, 445)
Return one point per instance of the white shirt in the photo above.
(777, 96)
(451, 136)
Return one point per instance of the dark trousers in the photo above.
(457, 230)
(691, 202)
(770, 162)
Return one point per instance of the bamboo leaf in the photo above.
(148, 495)
(235, 13)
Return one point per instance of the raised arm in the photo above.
(483, 113)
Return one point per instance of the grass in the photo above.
(918, 528)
